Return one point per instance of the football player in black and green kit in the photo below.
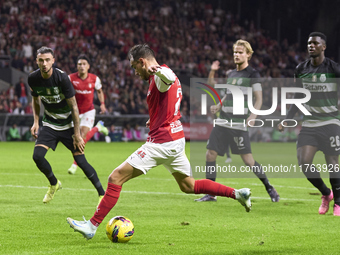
(236, 135)
(60, 121)
(321, 130)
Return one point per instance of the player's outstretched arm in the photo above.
(216, 108)
(214, 67)
(77, 139)
(36, 112)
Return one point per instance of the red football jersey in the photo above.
(165, 125)
(84, 90)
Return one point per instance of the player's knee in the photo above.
(115, 177)
(250, 163)
(111, 178)
(187, 188)
(333, 160)
(211, 155)
(37, 158)
(303, 161)
(39, 154)
(84, 136)
(81, 160)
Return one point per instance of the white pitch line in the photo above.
(146, 192)
(228, 182)
(172, 179)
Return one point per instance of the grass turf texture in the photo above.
(166, 220)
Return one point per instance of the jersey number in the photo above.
(178, 103)
(239, 141)
(335, 141)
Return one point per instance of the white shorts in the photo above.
(171, 155)
(87, 119)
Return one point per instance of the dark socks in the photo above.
(257, 170)
(43, 165)
(314, 178)
(90, 173)
(335, 182)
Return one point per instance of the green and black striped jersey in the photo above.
(322, 82)
(248, 77)
(53, 92)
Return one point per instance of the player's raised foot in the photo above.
(72, 169)
(100, 199)
(274, 196)
(336, 209)
(325, 203)
(207, 198)
(101, 128)
(52, 189)
(228, 160)
(85, 227)
(243, 196)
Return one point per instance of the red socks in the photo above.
(112, 193)
(108, 202)
(206, 186)
(91, 133)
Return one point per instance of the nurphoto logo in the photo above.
(238, 94)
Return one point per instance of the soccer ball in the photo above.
(120, 229)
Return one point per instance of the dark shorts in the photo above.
(50, 137)
(325, 138)
(221, 137)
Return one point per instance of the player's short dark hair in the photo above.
(140, 51)
(44, 50)
(83, 56)
(319, 34)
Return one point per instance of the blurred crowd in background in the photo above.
(187, 36)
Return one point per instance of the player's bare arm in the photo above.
(214, 67)
(102, 101)
(164, 74)
(216, 108)
(77, 139)
(147, 124)
(153, 69)
(36, 111)
(257, 106)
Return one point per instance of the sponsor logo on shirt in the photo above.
(83, 91)
(176, 127)
(314, 87)
(323, 77)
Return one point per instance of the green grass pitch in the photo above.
(166, 220)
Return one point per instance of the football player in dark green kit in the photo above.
(321, 130)
(53, 88)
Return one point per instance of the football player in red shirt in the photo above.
(84, 84)
(165, 145)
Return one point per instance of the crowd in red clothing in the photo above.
(186, 35)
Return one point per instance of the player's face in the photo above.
(140, 69)
(240, 55)
(45, 62)
(83, 66)
(315, 46)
